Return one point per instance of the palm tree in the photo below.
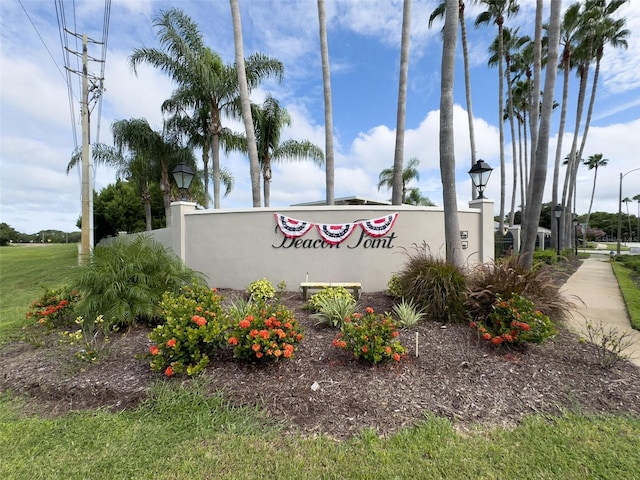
(637, 199)
(453, 244)
(269, 119)
(627, 201)
(438, 12)
(593, 163)
(496, 11)
(512, 44)
(254, 164)
(328, 109)
(397, 191)
(409, 173)
(568, 40)
(539, 170)
(206, 86)
(415, 197)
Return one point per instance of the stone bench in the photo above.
(354, 286)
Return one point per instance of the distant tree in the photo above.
(593, 163)
(415, 197)
(409, 173)
(637, 199)
(7, 234)
(118, 208)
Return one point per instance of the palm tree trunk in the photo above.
(556, 165)
(503, 177)
(254, 166)
(328, 110)
(397, 192)
(539, 172)
(513, 146)
(447, 151)
(467, 90)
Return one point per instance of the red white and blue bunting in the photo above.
(337, 232)
(292, 228)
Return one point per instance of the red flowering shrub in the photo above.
(515, 321)
(370, 337)
(194, 325)
(267, 331)
(54, 308)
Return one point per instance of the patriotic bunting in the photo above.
(379, 227)
(292, 228)
(335, 233)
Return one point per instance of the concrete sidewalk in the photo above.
(599, 300)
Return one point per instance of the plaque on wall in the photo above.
(465, 245)
(464, 234)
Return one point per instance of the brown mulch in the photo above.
(323, 390)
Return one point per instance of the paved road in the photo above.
(594, 289)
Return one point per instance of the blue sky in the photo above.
(36, 138)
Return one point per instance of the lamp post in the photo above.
(183, 175)
(622, 175)
(575, 232)
(557, 212)
(480, 173)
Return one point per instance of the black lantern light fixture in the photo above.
(557, 212)
(183, 175)
(480, 173)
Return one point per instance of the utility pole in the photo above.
(87, 212)
(86, 241)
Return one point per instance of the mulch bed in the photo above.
(322, 390)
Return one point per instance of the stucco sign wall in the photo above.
(365, 244)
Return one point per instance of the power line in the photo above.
(41, 39)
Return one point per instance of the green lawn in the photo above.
(181, 433)
(23, 270)
(629, 286)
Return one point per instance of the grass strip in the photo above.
(182, 433)
(630, 288)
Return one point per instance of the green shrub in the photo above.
(261, 289)
(268, 332)
(316, 300)
(546, 256)
(54, 308)
(394, 286)
(125, 282)
(514, 321)
(407, 313)
(194, 326)
(370, 337)
(507, 277)
(334, 309)
(436, 287)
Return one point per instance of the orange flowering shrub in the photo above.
(515, 321)
(54, 308)
(194, 325)
(372, 337)
(267, 331)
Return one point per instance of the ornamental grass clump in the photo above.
(267, 331)
(194, 327)
(407, 313)
(370, 337)
(334, 309)
(515, 321)
(506, 277)
(435, 286)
